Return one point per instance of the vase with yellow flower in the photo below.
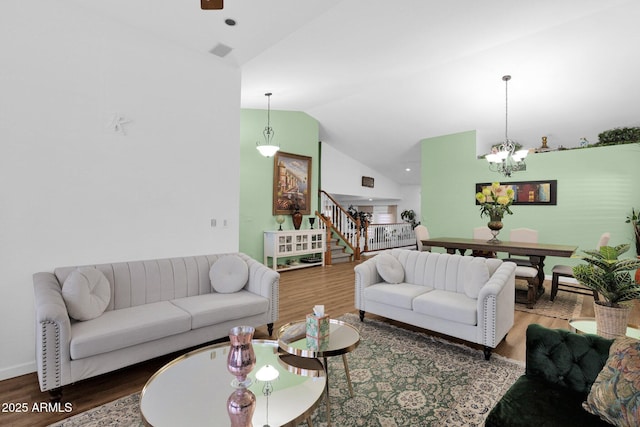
(494, 202)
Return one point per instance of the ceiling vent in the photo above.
(221, 50)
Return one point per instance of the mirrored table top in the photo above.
(193, 389)
(343, 338)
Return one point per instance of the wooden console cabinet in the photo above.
(301, 248)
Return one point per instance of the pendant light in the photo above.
(268, 149)
(506, 159)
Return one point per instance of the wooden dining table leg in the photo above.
(538, 263)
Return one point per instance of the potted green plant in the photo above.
(365, 217)
(611, 277)
(410, 216)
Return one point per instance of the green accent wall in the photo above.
(597, 187)
(296, 133)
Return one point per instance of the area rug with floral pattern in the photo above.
(566, 305)
(400, 378)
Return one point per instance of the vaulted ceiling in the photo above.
(379, 76)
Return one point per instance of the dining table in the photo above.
(536, 252)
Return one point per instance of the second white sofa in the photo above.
(466, 297)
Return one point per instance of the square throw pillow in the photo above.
(389, 268)
(615, 394)
(229, 274)
(86, 293)
(475, 277)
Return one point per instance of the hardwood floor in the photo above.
(300, 290)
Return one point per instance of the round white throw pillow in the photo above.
(229, 274)
(86, 293)
(389, 268)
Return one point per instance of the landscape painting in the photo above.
(291, 184)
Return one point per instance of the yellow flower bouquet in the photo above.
(495, 201)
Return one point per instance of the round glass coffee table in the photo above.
(192, 390)
(587, 325)
(343, 338)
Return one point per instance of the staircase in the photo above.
(345, 230)
(338, 251)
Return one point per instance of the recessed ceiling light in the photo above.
(230, 22)
(408, 169)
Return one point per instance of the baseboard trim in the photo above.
(17, 370)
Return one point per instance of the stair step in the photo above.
(340, 258)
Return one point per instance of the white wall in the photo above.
(411, 200)
(72, 192)
(342, 174)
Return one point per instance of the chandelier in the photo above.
(268, 149)
(504, 158)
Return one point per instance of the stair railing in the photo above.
(386, 236)
(338, 220)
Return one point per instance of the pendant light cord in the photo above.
(506, 106)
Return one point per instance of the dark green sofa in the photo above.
(561, 366)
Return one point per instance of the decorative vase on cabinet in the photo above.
(297, 219)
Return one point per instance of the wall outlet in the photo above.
(213, 222)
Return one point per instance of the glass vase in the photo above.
(495, 225)
(241, 405)
(242, 358)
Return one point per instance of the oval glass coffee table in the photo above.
(343, 338)
(192, 390)
(587, 325)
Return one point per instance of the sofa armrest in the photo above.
(496, 305)
(265, 282)
(366, 275)
(568, 359)
(53, 332)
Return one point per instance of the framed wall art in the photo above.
(291, 183)
(529, 192)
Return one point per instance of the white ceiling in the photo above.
(379, 76)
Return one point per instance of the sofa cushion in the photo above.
(86, 293)
(399, 295)
(117, 329)
(615, 394)
(532, 401)
(389, 268)
(476, 275)
(229, 274)
(211, 309)
(447, 305)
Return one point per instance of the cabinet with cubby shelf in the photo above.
(300, 248)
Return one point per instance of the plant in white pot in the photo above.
(611, 277)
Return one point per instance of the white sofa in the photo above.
(461, 296)
(155, 307)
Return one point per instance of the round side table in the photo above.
(587, 325)
(343, 338)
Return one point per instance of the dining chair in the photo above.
(526, 235)
(566, 271)
(525, 270)
(483, 233)
(422, 233)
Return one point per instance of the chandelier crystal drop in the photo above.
(505, 159)
(268, 148)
